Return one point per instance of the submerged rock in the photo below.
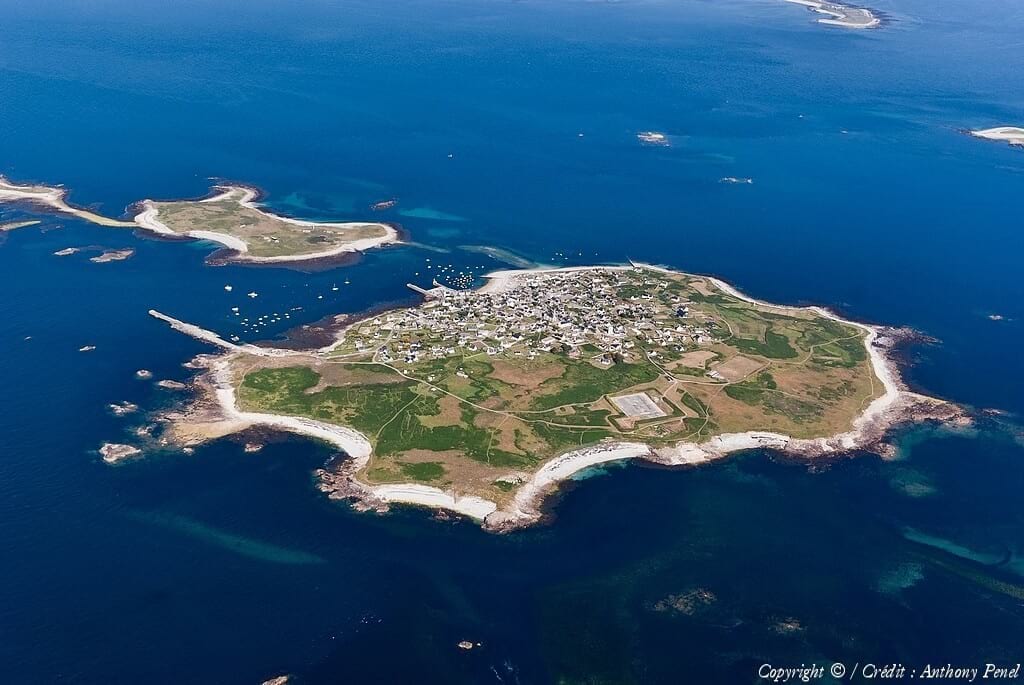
(687, 603)
(123, 408)
(787, 626)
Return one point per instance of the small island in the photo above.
(112, 256)
(652, 138)
(230, 217)
(841, 15)
(483, 401)
(1013, 135)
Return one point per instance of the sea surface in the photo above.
(511, 125)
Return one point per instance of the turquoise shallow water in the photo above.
(225, 567)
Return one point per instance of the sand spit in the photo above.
(215, 414)
(15, 225)
(147, 219)
(841, 15)
(1013, 135)
(54, 199)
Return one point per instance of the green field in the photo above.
(468, 419)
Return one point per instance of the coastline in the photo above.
(1011, 135)
(895, 406)
(15, 225)
(147, 220)
(228, 419)
(54, 198)
(838, 14)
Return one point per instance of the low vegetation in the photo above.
(443, 411)
(265, 234)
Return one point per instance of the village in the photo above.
(607, 316)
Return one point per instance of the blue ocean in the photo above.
(508, 124)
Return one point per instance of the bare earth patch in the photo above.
(738, 367)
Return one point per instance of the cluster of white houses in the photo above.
(574, 312)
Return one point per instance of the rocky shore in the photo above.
(214, 414)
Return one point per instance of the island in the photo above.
(483, 401)
(652, 138)
(1013, 135)
(231, 217)
(15, 225)
(113, 452)
(113, 256)
(841, 15)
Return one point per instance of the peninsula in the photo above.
(837, 14)
(482, 401)
(1013, 135)
(230, 217)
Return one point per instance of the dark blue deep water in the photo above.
(509, 124)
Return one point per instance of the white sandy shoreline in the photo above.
(526, 507)
(1012, 135)
(529, 499)
(147, 219)
(837, 14)
(54, 198)
(352, 443)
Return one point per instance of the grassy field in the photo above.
(263, 233)
(480, 422)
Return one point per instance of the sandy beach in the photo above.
(893, 406)
(426, 496)
(865, 431)
(353, 443)
(841, 15)
(148, 219)
(53, 198)
(1014, 135)
(506, 279)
